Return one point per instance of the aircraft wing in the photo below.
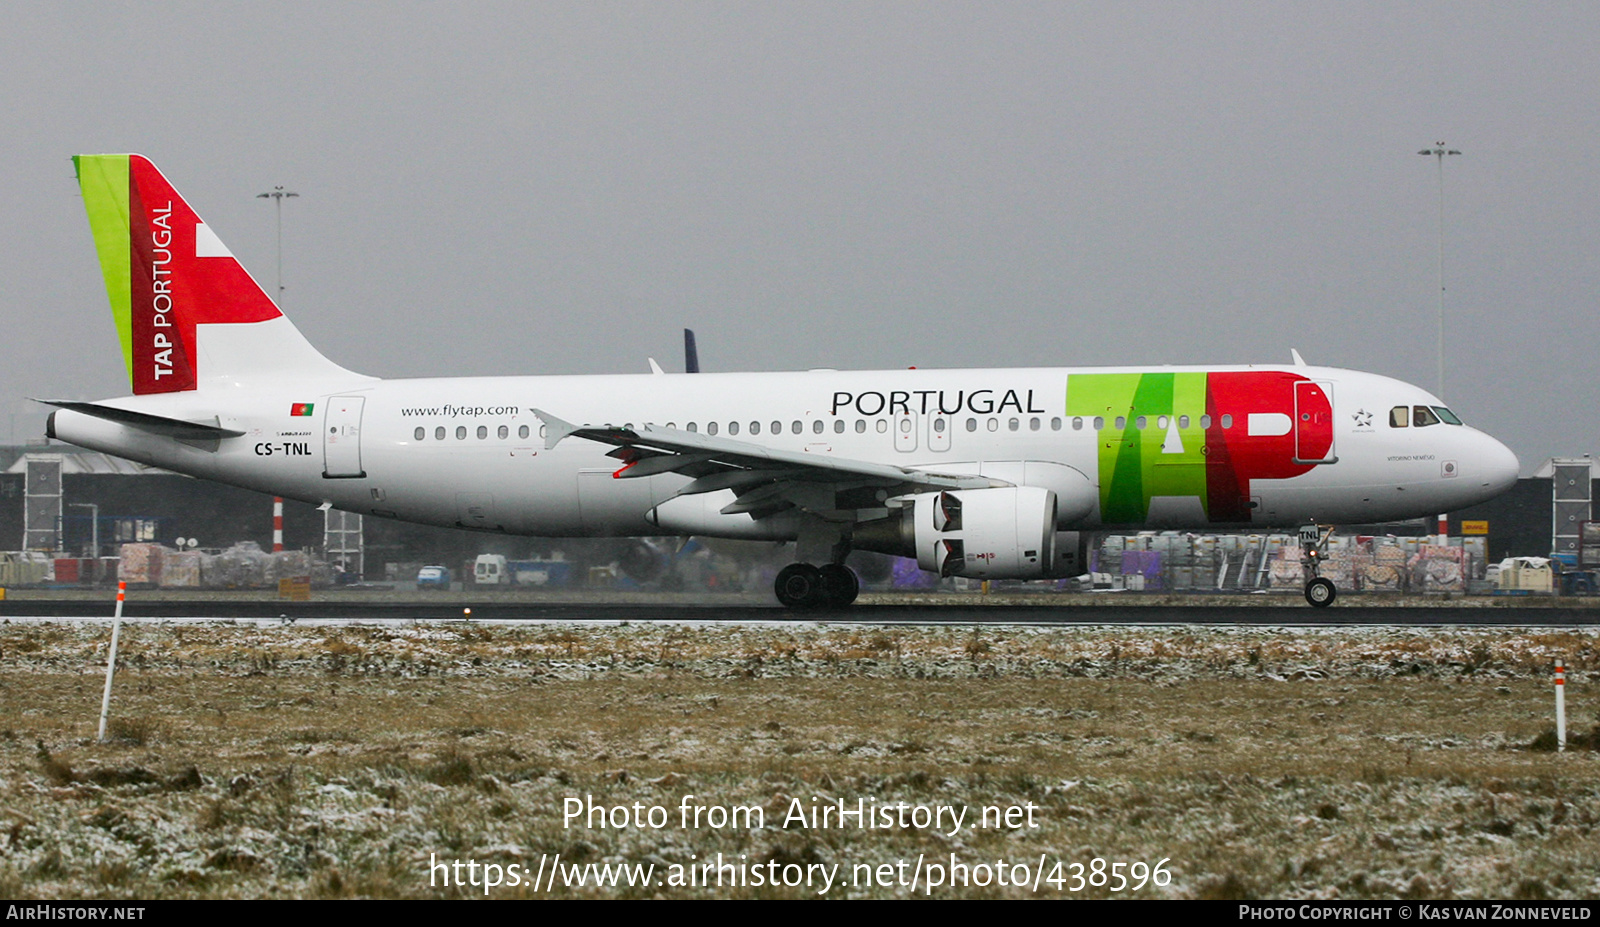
(765, 479)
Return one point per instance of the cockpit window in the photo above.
(1399, 417)
(1446, 416)
(1425, 416)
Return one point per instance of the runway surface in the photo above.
(1253, 615)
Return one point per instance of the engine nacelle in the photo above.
(1006, 533)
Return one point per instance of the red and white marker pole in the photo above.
(111, 658)
(1561, 706)
(1444, 530)
(277, 524)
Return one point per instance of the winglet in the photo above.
(691, 354)
(554, 428)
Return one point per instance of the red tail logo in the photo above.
(181, 275)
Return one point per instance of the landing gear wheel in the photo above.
(839, 585)
(1320, 592)
(799, 585)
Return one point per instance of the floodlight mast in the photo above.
(277, 195)
(1439, 152)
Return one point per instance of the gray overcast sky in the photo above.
(560, 188)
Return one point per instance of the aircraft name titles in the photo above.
(927, 401)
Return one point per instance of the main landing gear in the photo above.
(801, 585)
(1320, 591)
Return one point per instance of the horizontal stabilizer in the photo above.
(156, 424)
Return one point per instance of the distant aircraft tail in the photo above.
(187, 313)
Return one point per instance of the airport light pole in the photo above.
(1439, 152)
(277, 195)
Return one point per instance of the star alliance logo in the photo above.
(1363, 418)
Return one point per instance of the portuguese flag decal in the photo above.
(301, 408)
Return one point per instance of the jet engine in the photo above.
(1006, 533)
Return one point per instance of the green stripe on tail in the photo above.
(104, 182)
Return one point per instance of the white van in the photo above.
(490, 570)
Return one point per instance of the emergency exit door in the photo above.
(1313, 423)
(341, 439)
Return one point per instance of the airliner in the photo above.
(982, 473)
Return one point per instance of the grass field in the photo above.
(303, 761)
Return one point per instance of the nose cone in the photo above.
(1495, 467)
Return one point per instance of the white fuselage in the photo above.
(469, 452)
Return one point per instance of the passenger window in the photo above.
(523, 431)
(994, 424)
(816, 427)
(1227, 421)
(711, 428)
(1205, 421)
(777, 428)
(693, 427)
(483, 432)
(1055, 424)
(1012, 424)
(1183, 421)
(883, 425)
(795, 427)
(1121, 422)
(1399, 417)
(938, 426)
(1139, 422)
(1033, 424)
(504, 432)
(972, 424)
(461, 432)
(905, 426)
(838, 426)
(861, 426)
(1099, 422)
(755, 428)
(1423, 416)
(733, 428)
(1077, 423)
(421, 433)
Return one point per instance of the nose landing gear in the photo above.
(1320, 591)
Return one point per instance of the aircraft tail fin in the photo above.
(187, 312)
